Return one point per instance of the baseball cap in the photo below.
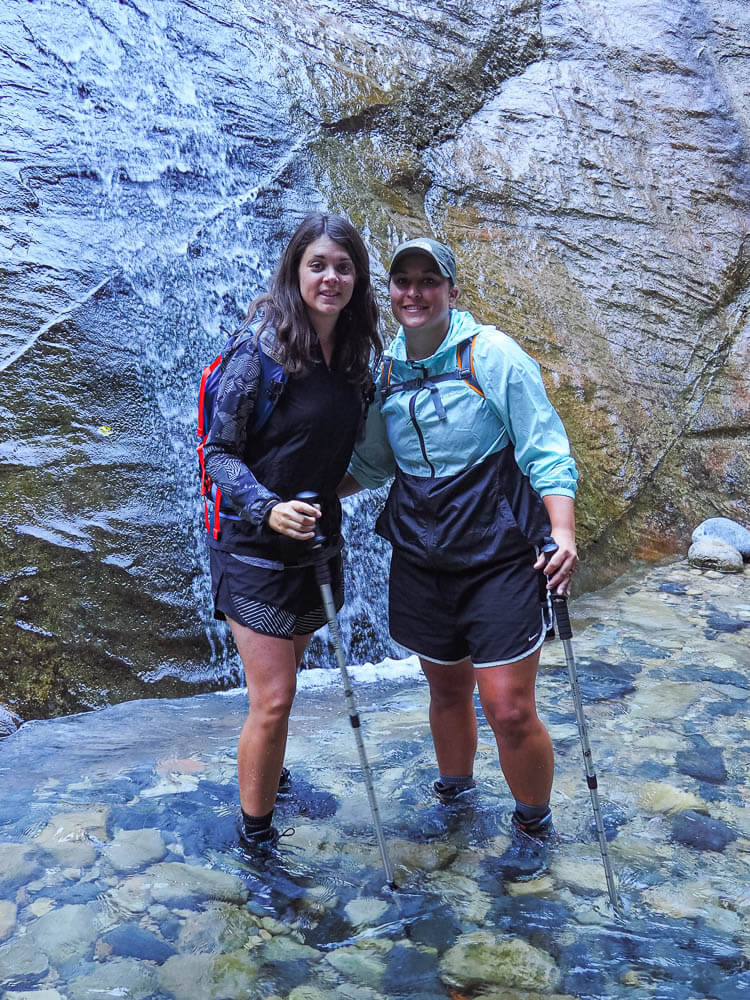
(440, 253)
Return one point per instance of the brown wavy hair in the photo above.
(358, 339)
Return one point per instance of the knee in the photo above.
(272, 707)
(512, 722)
(450, 699)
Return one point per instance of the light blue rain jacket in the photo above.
(469, 471)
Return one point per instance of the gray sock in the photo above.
(533, 816)
(458, 781)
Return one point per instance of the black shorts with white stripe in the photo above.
(236, 596)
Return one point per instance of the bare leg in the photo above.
(524, 746)
(453, 720)
(271, 673)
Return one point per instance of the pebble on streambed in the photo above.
(119, 871)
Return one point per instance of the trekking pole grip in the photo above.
(562, 618)
(311, 497)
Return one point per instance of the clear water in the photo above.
(662, 660)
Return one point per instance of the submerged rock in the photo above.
(72, 837)
(703, 832)
(703, 762)
(134, 849)
(67, 933)
(171, 881)
(8, 912)
(661, 797)
(118, 977)
(482, 958)
(21, 962)
(19, 863)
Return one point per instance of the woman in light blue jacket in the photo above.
(483, 477)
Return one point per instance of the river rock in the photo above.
(309, 992)
(660, 797)
(417, 857)
(8, 911)
(711, 553)
(579, 874)
(134, 849)
(482, 958)
(363, 965)
(696, 901)
(131, 896)
(703, 762)
(467, 901)
(123, 977)
(367, 910)
(219, 927)
(133, 941)
(703, 832)
(285, 948)
(727, 531)
(66, 933)
(175, 883)
(233, 974)
(68, 836)
(22, 963)
(185, 977)
(19, 863)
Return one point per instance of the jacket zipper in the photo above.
(418, 429)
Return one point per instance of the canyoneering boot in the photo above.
(258, 837)
(259, 842)
(454, 789)
(528, 853)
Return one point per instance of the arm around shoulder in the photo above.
(373, 462)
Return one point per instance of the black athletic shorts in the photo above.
(238, 594)
(495, 615)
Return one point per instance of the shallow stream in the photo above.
(120, 873)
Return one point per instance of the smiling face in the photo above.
(421, 298)
(326, 281)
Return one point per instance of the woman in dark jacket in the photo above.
(320, 321)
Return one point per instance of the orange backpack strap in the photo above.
(465, 361)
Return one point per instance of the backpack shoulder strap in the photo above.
(384, 375)
(273, 378)
(464, 370)
(465, 360)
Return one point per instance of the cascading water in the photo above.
(171, 179)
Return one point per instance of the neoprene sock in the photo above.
(533, 817)
(256, 824)
(459, 782)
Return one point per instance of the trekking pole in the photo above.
(562, 620)
(323, 576)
